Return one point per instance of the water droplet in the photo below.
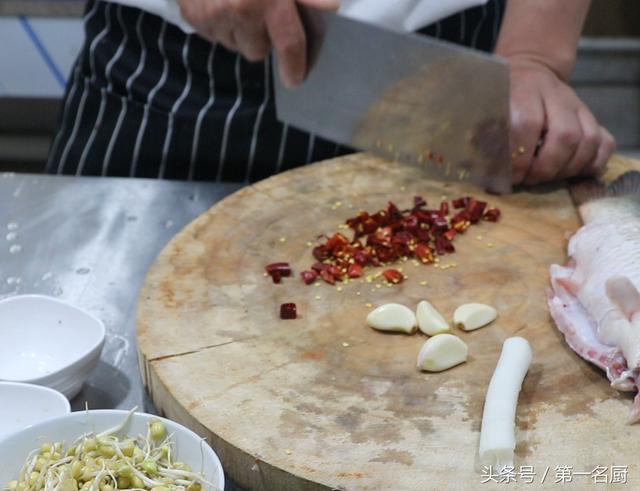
(47, 276)
(11, 236)
(57, 291)
(168, 224)
(11, 280)
(8, 175)
(15, 248)
(12, 226)
(83, 271)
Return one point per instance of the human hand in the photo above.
(553, 133)
(254, 27)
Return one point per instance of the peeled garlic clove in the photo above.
(442, 352)
(430, 321)
(472, 316)
(392, 317)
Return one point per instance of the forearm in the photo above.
(546, 31)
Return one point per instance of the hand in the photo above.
(253, 27)
(545, 109)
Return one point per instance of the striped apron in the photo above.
(147, 100)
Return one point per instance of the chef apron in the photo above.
(147, 100)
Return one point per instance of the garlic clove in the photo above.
(430, 321)
(471, 316)
(392, 317)
(442, 352)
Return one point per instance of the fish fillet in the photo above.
(594, 299)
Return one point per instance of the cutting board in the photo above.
(325, 402)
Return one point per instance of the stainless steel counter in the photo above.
(90, 241)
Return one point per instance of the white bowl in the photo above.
(189, 446)
(24, 405)
(48, 342)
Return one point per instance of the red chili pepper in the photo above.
(409, 223)
(288, 311)
(336, 240)
(389, 234)
(276, 277)
(369, 226)
(422, 216)
(278, 271)
(460, 202)
(318, 267)
(282, 268)
(402, 237)
(419, 202)
(386, 255)
(362, 258)
(392, 209)
(321, 252)
(327, 277)
(440, 224)
(335, 272)
(443, 245)
(393, 276)
(461, 221)
(309, 276)
(450, 234)
(424, 253)
(355, 271)
(476, 209)
(423, 235)
(491, 215)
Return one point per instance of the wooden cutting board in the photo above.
(324, 402)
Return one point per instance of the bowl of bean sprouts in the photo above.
(108, 450)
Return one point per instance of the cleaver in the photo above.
(405, 97)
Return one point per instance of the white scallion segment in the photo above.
(442, 352)
(471, 316)
(392, 317)
(497, 437)
(430, 321)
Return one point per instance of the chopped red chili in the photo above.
(419, 202)
(491, 215)
(327, 277)
(321, 252)
(309, 276)
(424, 253)
(476, 209)
(288, 311)
(355, 271)
(278, 271)
(336, 272)
(450, 234)
(460, 202)
(389, 235)
(443, 245)
(362, 257)
(393, 276)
